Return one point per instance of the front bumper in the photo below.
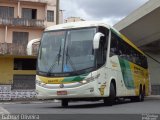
(84, 91)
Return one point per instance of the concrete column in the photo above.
(61, 16)
(19, 10)
(57, 12)
(6, 32)
(5, 39)
(45, 16)
(154, 69)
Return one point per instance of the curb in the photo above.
(31, 102)
(154, 97)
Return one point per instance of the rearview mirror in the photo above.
(96, 40)
(29, 45)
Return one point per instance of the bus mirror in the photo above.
(96, 40)
(29, 45)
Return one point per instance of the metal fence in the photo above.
(22, 22)
(16, 49)
(41, 1)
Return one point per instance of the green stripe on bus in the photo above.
(74, 79)
(127, 73)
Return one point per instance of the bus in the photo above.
(90, 61)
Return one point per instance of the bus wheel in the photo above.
(112, 97)
(143, 93)
(64, 103)
(140, 97)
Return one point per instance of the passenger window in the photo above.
(115, 46)
(124, 50)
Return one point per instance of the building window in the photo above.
(29, 13)
(50, 16)
(24, 64)
(20, 38)
(6, 12)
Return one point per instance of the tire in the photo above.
(140, 97)
(64, 103)
(144, 93)
(112, 96)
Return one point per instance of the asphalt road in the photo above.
(89, 110)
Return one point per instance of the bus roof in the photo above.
(77, 25)
(81, 24)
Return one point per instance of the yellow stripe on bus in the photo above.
(130, 43)
(140, 76)
(48, 80)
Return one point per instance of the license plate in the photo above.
(61, 92)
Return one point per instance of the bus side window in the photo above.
(114, 46)
(125, 51)
(145, 62)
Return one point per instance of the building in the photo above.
(143, 28)
(61, 16)
(20, 22)
(73, 19)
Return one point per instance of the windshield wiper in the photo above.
(58, 56)
(68, 58)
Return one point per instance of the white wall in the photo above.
(154, 69)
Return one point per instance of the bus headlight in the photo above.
(87, 80)
(40, 83)
(83, 81)
(90, 79)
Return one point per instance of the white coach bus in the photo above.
(90, 61)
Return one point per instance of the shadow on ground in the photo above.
(78, 105)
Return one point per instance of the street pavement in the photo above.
(3, 111)
(125, 110)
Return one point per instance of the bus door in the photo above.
(101, 58)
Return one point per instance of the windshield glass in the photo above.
(51, 51)
(66, 51)
(80, 54)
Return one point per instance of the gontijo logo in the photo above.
(51, 80)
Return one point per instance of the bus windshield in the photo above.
(66, 51)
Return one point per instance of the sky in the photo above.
(108, 11)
